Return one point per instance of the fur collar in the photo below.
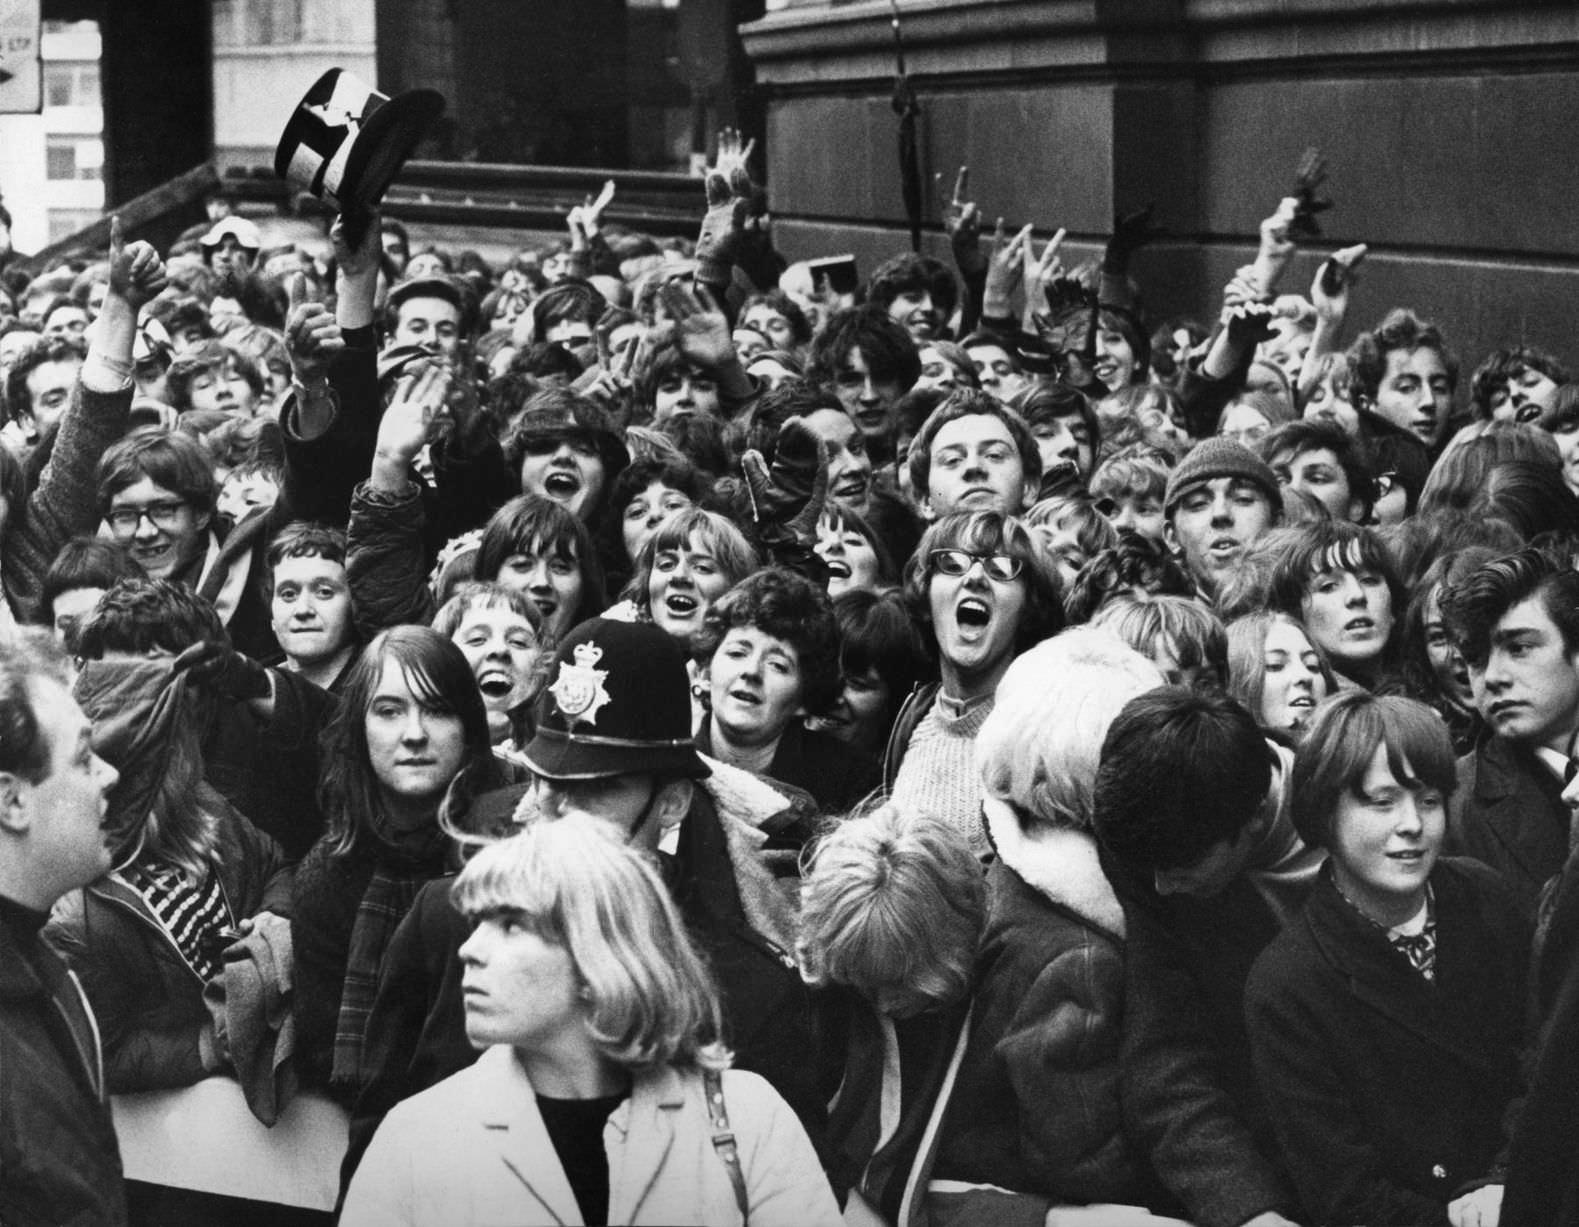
(1058, 863)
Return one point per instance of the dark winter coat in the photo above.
(147, 997)
(1387, 1091)
(1508, 813)
(59, 1161)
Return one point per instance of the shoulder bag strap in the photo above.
(724, 1138)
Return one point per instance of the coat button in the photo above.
(1439, 1172)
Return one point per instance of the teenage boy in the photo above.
(974, 454)
(1209, 868)
(1516, 620)
(1219, 500)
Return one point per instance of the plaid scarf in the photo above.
(399, 874)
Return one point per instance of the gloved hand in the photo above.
(787, 500)
(1310, 175)
(223, 671)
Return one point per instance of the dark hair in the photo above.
(1136, 562)
(885, 347)
(786, 606)
(168, 458)
(700, 438)
(440, 678)
(783, 304)
(1445, 571)
(1320, 547)
(1563, 416)
(912, 410)
(1530, 498)
(1045, 402)
(1472, 607)
(86, 562)
(634, 479)
(964, 403)
(18, 401)
(1502, 366)
(1460, 473)
(794, 398)
(530, 520)
(571, 300)
(991, 532)
(1182, 770)
(842, 519)
(144, 615)
(1406, 460)
(25, 747)
(306, 539)
(876, 632)
(908, 273)
(1337, 749)
(1400, 329)
(1298, 438)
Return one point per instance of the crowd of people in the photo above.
(659, 735)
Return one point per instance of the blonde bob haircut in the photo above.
(1040, 748)
(651, 999)
(892, 899)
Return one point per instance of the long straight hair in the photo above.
(437, 672)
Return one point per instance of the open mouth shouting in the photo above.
(562, 485)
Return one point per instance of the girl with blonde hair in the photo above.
(602, 1094)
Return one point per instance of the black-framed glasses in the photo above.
(999, 567)
(163, 516)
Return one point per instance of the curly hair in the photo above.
(789, 607)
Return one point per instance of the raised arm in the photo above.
(65, 504)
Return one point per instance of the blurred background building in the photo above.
(1449, 125)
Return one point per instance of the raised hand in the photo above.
(364, 257)
(1277, 245)
(788, 499)
(414, 415)
(700, 330)
(1131, 232)
(1242, 288)
(137, 274)
(1041, 272)
(1248, 325)
(223, 671)
(962, 223)
(731, 196)
(1330, 290)
(1005, 271)
(1308, 177)
(589, 216)
(312, 335)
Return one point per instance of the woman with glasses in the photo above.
(983, 585)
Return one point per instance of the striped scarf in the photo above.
(192, 915)
(398, 877)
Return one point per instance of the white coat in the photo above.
(473, 1152)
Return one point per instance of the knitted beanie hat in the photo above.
(1220, 457)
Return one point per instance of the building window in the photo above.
(71, 85)
(68, 160)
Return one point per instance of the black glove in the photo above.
(1310, 175)
(788, 498)
(1131, 232)
(224, 671)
